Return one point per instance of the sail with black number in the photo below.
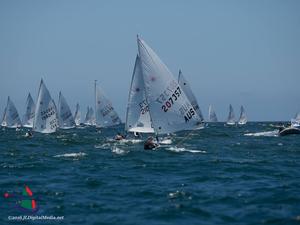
(29, 112)
(212, 115)
(231, 117)
(45, 118)
(77, 115)
(105, 113)
(11, 117)
(243, 117)
(65, 117)
(295, 122)
(188, 91)
(169, 107)
(137, 115)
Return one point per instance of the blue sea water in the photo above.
(217, 175)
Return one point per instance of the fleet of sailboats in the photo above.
(158, 102)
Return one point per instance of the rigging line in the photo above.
(185, 137)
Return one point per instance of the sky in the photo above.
(231, 52)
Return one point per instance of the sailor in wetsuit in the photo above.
(150, 144)
(119, 137)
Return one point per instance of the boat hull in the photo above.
(289, 130)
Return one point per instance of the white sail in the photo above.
(189, 93)
(170, 109)
(295, 122)
(11, 117)
(105, 114)
(231, 117)
(45, 118)
(77, 115)
(87, 120)
(243, 117)
(29, 112)
(65, 117)
(212, 115)
(92, 117)
(137, 115)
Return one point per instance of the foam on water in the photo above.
(273, 133)
(182, 149)
(78, 154)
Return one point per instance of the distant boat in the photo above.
(89, 117)
(11, 117)
(169, 107)
(295, 122)
(190, 95)
(231, 117)
(105, 113)
(243, 117)
(65, 117)
(77, 115)
(45, 117)
(212, 115)
(29, 112)
(137, 115)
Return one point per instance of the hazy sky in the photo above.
(238, 52)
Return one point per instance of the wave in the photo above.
(78, 154)
(273, 133)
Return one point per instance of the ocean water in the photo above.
(217, 175)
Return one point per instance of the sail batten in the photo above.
(45, 118)
(170, 110)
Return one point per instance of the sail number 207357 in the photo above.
(173, 98)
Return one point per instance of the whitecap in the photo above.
(118, 151)
(273, 133)
(182, 149)
(78, 154)
(165, 142)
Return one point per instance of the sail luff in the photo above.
(29, 112)
(77, 115)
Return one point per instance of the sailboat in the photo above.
(11, 117)
(212, 115)
(137, 115)
(29, 112)
(45, 117)
(295, 122)
(105, 114)
(77, 115)
(243, 117)
(190, 95)
(65, 117)
(169, 107)
(231, 117)
(89, 117)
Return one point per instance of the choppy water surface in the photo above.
(218, 175)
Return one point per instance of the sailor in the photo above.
(119, 137)
(137, 135)
(29, 134)
(150, 144)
